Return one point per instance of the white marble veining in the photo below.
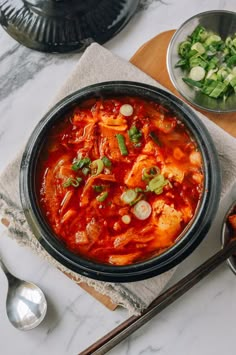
(202, 321)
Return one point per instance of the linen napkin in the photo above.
(97, 65)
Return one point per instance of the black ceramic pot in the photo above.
(64, 25)
(191, 236)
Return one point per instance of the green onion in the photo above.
(142, 210)
(191, 82)
(134, 134)
(198, 47)
(80, 163)
(197, 62)
(126, 110)
(197, 73)
(212, 39)
(138, 189)
(75, 182)
(182, 63)
(85, 171)
(140, 196)
(129, 196)
(102, 196)
(97, 166)
(126, 219)
(209, 86)
(98, 188)
(106, 162)
(157, 184)
(121, 143)
(184, 48)
(155, 138)
(231, 61)
(149, 173)
(220, 87)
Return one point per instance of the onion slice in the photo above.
(126, 110)
(142, 210)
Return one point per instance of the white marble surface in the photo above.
(202, 321)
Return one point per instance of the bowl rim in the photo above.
(172, 256)
(225, 234)
(169, 66)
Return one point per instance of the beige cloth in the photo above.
(97, 65)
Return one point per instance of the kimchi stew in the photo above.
(119, 179)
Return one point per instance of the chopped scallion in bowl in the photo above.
(201, 60)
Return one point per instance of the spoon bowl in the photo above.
(26, 303)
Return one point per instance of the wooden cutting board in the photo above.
(151, 58)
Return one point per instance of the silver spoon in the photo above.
(26, 304)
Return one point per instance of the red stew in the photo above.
(119, 179)
(232, 221)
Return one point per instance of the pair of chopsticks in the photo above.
(118, 334)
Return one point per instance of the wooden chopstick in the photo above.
(118, 334)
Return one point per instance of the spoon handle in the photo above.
(9, 276)
(111, 339)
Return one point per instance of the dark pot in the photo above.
(58, 26)
(190, 238)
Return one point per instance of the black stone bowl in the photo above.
(190, 237)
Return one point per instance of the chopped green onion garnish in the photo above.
(129, 196)
(138, 189)
(149, 173)
(134, 134)
(191, 82)
(97, 167)
(102, 196)
(80, 163)
(142, 210)
(98, 188)
(106, 162)
(140, 196)
(197, 73)
(126, 219)
(121, 143)
(157, 184)
(231, 61)
(85, 171)
(126, 110)
(75, 182)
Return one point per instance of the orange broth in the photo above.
(84, 175)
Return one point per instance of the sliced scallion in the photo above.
(85, 171)
(126, 110)
(80, 163)
(96, 166)
(157, 184)
(121, 143)
(98, 188)
(106, 162)
(149, 173)
(135, 134)
(75, 182)
(126, 219)
(102, 197)
(142, 210)
(129, 196)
